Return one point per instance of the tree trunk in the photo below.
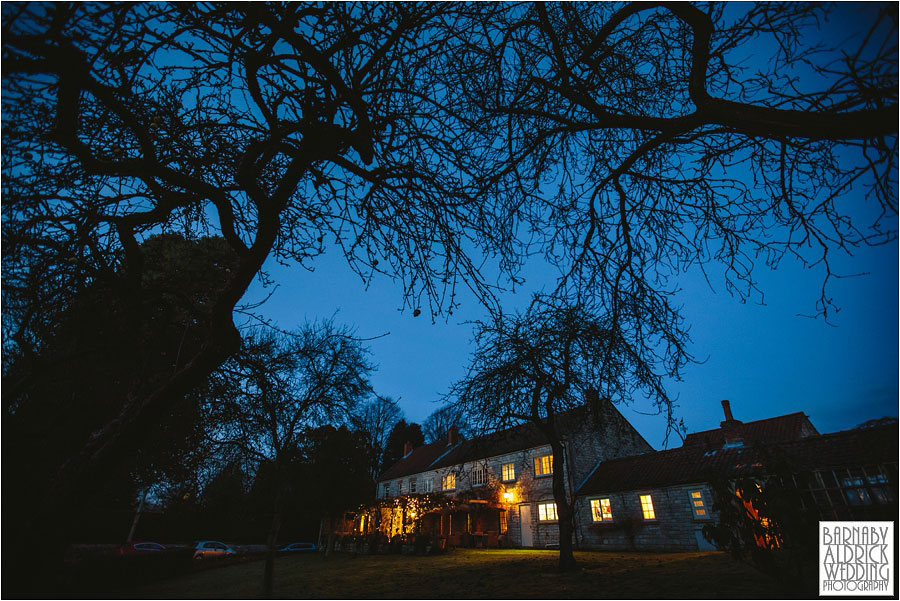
(564, 508)
(271, 542)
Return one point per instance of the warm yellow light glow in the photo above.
(508, 496)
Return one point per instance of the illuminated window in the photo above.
(509, 472)
(647, 507)
(601, 510)
(448, 482)
(429, 485)
(547, 512)
(698, 504)
(479, 475)
(503, 523)
(412, 485)
(543, 466)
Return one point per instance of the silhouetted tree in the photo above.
(763, 520)
(336, 473)
(78, 368)
(280, 385)
(533, 366)
(224, 498)
(436, 425)
(377, 419)
(626, 143)
(401, 433)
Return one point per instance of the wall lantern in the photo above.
(508, 496)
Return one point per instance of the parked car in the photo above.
(297, 548)
(142, 548)
(208, 549)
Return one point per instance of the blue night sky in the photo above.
(766, 358)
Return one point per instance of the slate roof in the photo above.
(439, 454)
(692, 463)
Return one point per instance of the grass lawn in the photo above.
(479, 574)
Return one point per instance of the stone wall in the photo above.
(675, 528)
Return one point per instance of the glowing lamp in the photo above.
(508, 496)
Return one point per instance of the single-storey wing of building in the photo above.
(661, 500)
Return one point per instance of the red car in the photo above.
(142, 548)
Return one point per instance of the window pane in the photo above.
(647, 507)
(606, 508)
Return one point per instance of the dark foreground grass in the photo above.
(480, 574)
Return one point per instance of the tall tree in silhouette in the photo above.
(436, 425)
(279, 385)
(401, 434)
(377, 419)
(79, 366)
(534, 366)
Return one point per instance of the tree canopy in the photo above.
(441, 145)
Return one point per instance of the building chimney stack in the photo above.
(452, 436)
(731, 428)
(407, 448)
(726, 405)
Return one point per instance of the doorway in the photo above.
(525, 523)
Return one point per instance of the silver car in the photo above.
(208, 549)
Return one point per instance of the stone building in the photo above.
(495, 490)
(499, 485)
(661, 500)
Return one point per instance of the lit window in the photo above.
(601, 510)
(448, 482)
(698, 504)
(503, 523)
(647, 507)
(509, 472)
(479, 475)
(412, 485)
(543, 466)
(429, 485)
(547, 512)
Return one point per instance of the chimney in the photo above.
(726, 405)
(452, 436)
(731, 428)
(407, 448)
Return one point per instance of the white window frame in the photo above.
(412, 485)
(600, 506)
(543, 466)
(697, 495)
(429, 485)
(387, 490)
(508, 471)
(544, 511)
(645, 505)
(479, 475)
(399, 487)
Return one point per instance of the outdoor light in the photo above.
(508, 496)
